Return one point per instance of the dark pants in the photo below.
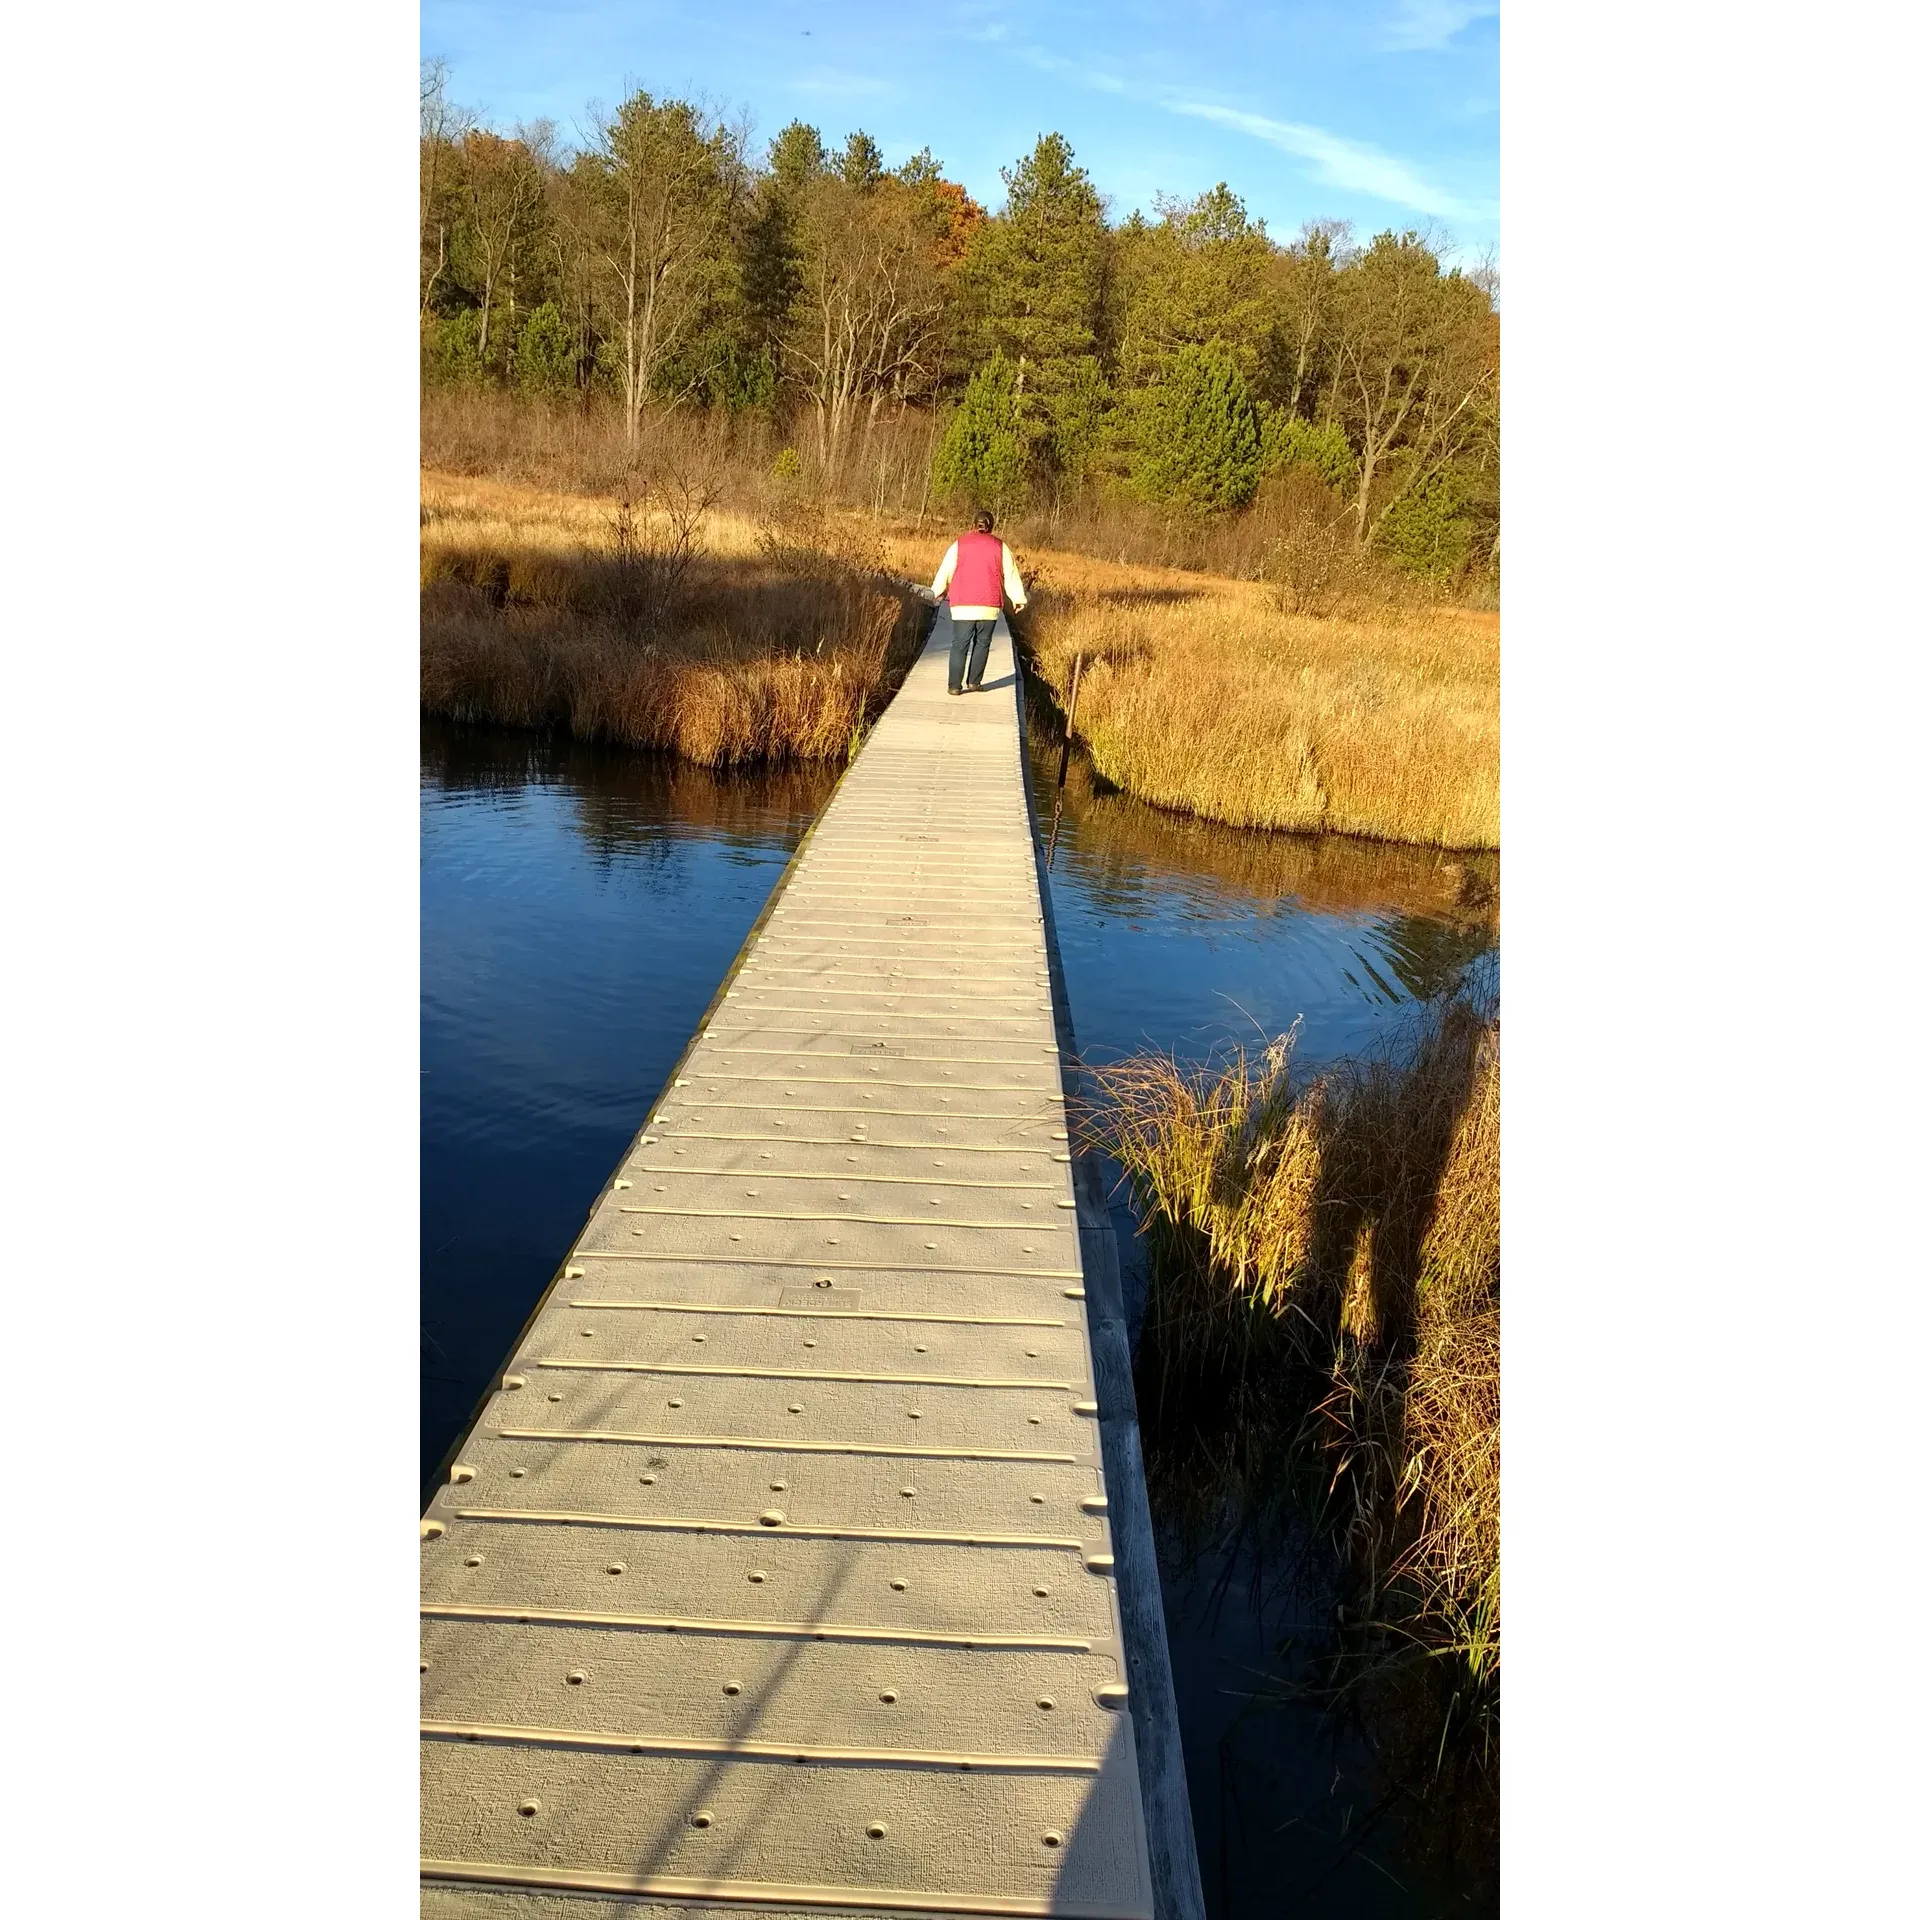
(971, 639)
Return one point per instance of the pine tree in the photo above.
(1200, 440)
(1037, 280)
(980, 454)
(543, 354)
(860, 162)
(1321, 450)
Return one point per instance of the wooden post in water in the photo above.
(1066, 739)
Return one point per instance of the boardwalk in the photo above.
(778, 1570)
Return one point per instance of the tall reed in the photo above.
(653, 622)
(1326, 1268)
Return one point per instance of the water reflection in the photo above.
(1191, 938)
(579, 907)
(1186, 936)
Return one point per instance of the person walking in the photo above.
(978, 578)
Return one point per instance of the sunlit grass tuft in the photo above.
(707, 635)
(1326, 1263)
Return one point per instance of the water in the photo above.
(580, 907)
(1195, 940)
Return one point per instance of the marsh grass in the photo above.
(1255, 672)
(1215, 701)
(1324, 1319)
(651, 620)
(1221, 699)
(1331, 873)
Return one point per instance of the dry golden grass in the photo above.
(1200, 695)
(1327, 1257)
(718, 639)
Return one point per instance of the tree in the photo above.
(980, 455)
(1289, 441)
(859, 162)
(500, 198)
(442, 127)
(1303, 348)
(1203, 272)
(796, 156)
(1079, 426)
(869, 305)
(1432, 530)
(454, 346)
(1200, 444)
(1037, 278)
(662, 183)
(544, 361)
(1417, 363)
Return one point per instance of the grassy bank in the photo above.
(1330, 873)
(733, 615)
(1325, 1316)
(654, 621)
(1206, 696)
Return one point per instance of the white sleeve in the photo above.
(944, 577)
(1010, 578)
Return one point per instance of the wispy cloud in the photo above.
(1339, 162)
(1423, 26)
(1336, 160)
(1075, 70)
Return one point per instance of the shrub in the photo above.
(1200, 435)
(452, 343)
(980, 456)
(742, 377)
(1299, 444)
(543, 356)
(1433, 530)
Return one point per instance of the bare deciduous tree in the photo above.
(1418, 353)
(502, 189)
(442, 127)
(663, 181)
(869, 305)
(1309, 294)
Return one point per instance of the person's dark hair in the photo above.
(983, 521)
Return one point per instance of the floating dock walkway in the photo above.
(782, 1571)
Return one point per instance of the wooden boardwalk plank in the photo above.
(776, 1573)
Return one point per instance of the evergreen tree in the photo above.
(543, 359)
(1200, 440)
(859, 162)
(1322, 450)
(453, 348)
(980, 454)
(1079, 423)
(1433, 530)
(796, 157)
(1202, 272)
(1037, 279)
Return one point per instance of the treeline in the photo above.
(1189, 360)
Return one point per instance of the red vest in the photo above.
(976, 573)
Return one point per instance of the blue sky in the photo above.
(1382, 112)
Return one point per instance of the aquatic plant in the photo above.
(645, 622)
(1326, 1270)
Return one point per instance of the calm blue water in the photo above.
(579, 908)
